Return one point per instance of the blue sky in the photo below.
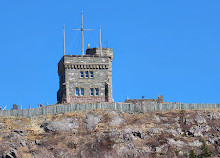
(162, 47)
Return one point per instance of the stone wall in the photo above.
(123, 107)
(145, 101)
(88, 99)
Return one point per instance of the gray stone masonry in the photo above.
(145, 101)
(86, 78)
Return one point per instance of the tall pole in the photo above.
(82, 32)
(82, 29)
(64, 49)
(100, 38)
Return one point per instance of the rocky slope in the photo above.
(110, 134)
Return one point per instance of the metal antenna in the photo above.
(82, 29)
(107, 43)
(100, 37)
(64, 50)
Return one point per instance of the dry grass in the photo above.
(100, 139)
(15, 122)
(24, 152)
(136, 118)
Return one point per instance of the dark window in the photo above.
(81, 74)
(91, 74)
(87, 74)
(77, 91)
(91, 91)
(81, 91)
(96, 91)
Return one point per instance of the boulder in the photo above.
(2, 125)
(177, 143)
(198, 130)
(116, 118)
(200, 120)
(7, 150)
(195, 143)
(66, 124)
(213, 115)
(188, 121)
(92, 119)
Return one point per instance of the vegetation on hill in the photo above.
(110, 134)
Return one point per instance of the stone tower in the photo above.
(86, 78)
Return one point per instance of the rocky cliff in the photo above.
(111, 134)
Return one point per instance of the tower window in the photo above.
(77, 91)
(96, 91)
(87, 74)
(91, 91)
(81, 74)
(91, 74)
(81, 91)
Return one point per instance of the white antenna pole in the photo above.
(82, 32)
(64, 50)
(100, 38)
(82, 29)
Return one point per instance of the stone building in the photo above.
(144, 101)
(86, 78)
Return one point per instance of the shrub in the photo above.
(205, 150)
(192, 154)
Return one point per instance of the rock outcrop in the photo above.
(112, 134)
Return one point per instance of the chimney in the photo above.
(160, 98)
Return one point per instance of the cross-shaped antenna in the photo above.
(82, 29)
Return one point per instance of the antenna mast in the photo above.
(100, 37)
(82, 29)
(64, 50)
(82, 32)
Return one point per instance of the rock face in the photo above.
(66, 124)
(111, 134)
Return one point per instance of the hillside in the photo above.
(110, 134)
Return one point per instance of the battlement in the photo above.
(100, 52)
